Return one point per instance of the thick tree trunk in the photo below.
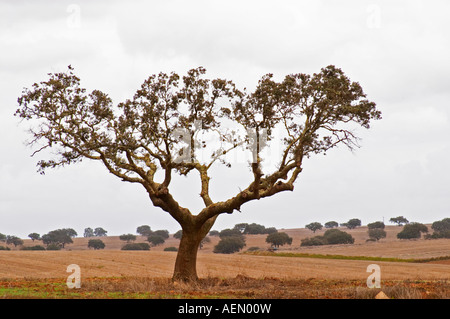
(186, 262)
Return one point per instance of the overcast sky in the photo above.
(398, 51)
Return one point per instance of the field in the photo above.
(409, 269)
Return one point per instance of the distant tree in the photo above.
(412, 231)
(96, 244)
(241, 227)
(162, 232)
(155, 240)
(254, 229)
(214, 233)
(331, 224)
(270, 230)
(352, 223)
(229, 245)
(178, 234)
(144, 230)
(14, 240)
(100, 232)
(227, 232)
(376, 225)
(34, 236)
(377, 233)
(127, 237)
(204, 241)
(278, 239)
(59, 237)
(400, 220)
(314, 226)
(2, 237)
(441, 225)
(88, 232)
(70, 232)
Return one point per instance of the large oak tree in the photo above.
(155, 135)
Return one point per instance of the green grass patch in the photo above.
(344, 257)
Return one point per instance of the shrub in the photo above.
(314, 241)
(229, 245)
(171, 249)
(336, 236)
(36, 247)
(4, 248)
(330, 237)
(53, 246)
(96, 244)
(136, 246)
(412, 231)
(253, 248)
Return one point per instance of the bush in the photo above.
(53, 246)
(229, 245)
(330, 237)
(171, 249)
(4, 248)
(412, 231)
(336, 236)
(36, 247)
(96, 244)
(136, 246)
(314, 241)
(253, 248)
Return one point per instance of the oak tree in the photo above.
(156, 134)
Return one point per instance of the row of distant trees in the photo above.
(233, 239)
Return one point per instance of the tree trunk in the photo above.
(186, 262)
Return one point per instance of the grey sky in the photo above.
(397, 51)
